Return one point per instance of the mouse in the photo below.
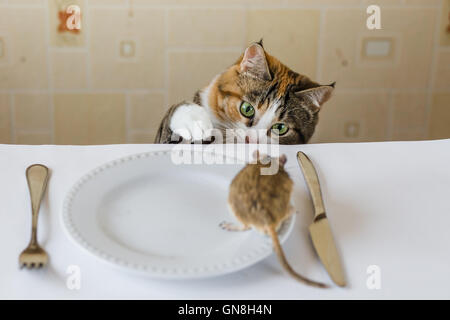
(263, 202)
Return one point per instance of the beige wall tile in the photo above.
(25, 2)
(106, 2)
(191, 71)
(349, 117)
(4, 110)
(440, 117)
(410, 111)
(147, 110)
(322, 2)
(22, 32)
(290, 29)
(209, 27)
(408, 136)
(211, 3)
(32, 111)
(89, 118)
(409, 68)
(289, 35)
(5, 116)
(69, 70)
(143, 34)
(34, 138)
(65, 38)
(142, 137)
(383, 3)
(5, 135)
(445, 22)
(423, 2)
(442, 80)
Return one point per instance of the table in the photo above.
(388, 205)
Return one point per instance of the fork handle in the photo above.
(37, 178)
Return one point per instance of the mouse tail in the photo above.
(284, 263)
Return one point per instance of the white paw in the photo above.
(191, 122)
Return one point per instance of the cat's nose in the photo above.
(247, 139)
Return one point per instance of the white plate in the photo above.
(146, 214)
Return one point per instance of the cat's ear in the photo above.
(317, 96)
(254, 63)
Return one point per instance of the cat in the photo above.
(256, 94)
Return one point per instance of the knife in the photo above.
(319, 229)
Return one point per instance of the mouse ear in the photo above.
(260, 157)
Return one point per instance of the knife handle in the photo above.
(312, 180)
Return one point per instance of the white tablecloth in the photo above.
(388, 205)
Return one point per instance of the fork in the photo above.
(34, 256)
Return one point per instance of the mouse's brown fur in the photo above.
(263, 202)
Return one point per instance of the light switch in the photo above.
(378, 48)
(127, 49)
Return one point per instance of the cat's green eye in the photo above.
(280, 128)
(247, 109)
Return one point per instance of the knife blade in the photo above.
(319, 229)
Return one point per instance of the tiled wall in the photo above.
(112, 81)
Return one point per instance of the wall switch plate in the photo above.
(378, 51)
(378, 48)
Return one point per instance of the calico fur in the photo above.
(277, 94)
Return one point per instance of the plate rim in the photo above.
(264, 250)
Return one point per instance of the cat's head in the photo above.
(259, 93)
